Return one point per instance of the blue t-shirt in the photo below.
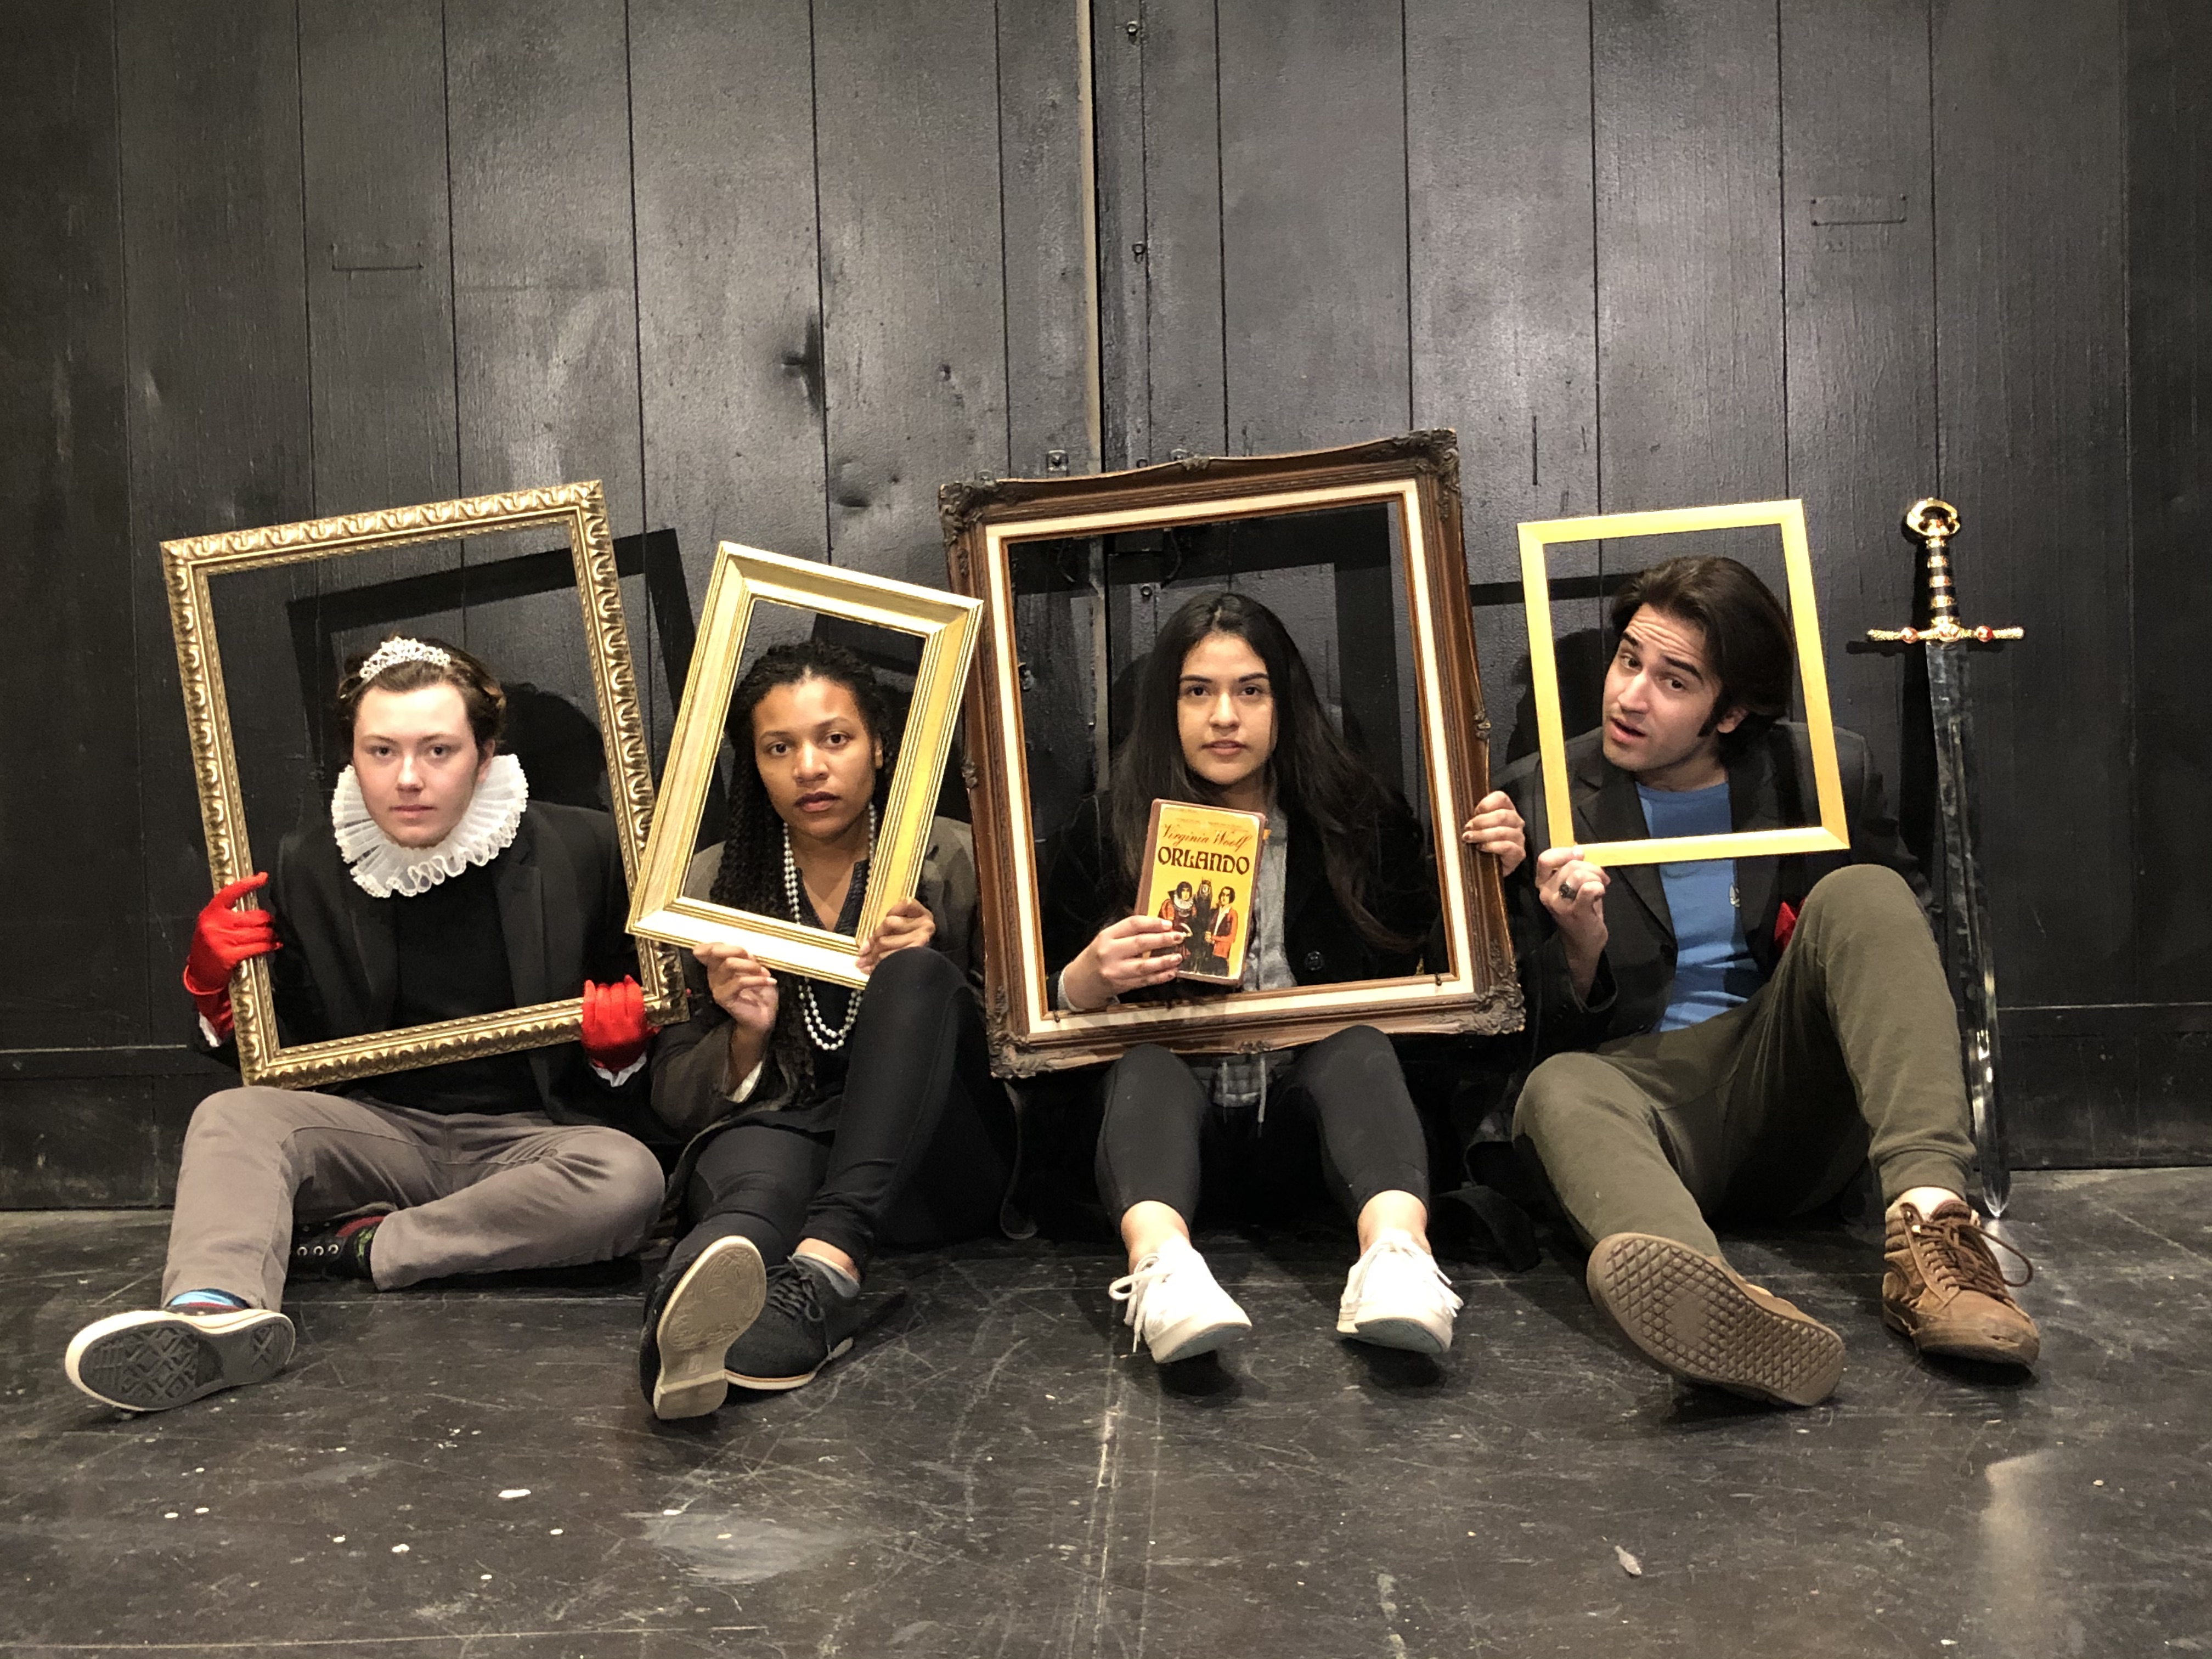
(1713, 966)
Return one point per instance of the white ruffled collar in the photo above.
(380, 866)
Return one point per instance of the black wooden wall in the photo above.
(774, 270)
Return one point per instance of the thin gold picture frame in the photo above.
(578, 511)
(744, 580)
(1832, 833)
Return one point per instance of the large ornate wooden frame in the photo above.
(1419, 473)
(577, 509)
(744, 579)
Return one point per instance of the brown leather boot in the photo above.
(1944, 1289)
(1696, 1316)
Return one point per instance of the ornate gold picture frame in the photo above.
(1414, 480)
(577, 510)
(1833, 832)
(745, 580)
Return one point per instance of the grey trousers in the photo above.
(1849, 1054)
(474, 1192)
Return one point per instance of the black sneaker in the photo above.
(691, 1324)
(809, 1320)
(336, 1249)
(151, 1360)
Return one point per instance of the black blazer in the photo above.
(1770, 788)
(1085, 890)
(564, 906)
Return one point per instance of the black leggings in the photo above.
(922, 1150)
(1160, 1125)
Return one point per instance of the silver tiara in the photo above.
(391, 652)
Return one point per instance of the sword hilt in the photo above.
(1934, 523)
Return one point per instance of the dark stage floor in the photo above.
(472, 1472)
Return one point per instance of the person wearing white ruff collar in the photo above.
(437, 890)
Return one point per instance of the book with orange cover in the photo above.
(1201, 866)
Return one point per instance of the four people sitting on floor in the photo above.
(1714, 1041)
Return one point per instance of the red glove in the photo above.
(222, 937)
(615, 1032)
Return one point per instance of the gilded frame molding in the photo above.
(1832, 833)
(578, 511)
(1417, 473)
(743, 579)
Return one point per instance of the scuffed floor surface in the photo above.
(471, 1472)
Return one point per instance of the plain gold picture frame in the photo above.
(1832, 833)
(579, 511)
(744, 579)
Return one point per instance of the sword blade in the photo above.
(1972, 957)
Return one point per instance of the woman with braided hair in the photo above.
(435, 889)
(822, 1121)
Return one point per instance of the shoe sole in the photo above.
(149, 1361)
(712, 1305)
(1410, 1334)
(1189, 1341)
(1690, 1316)
(780, 1385)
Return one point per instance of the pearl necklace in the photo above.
(819, 1031)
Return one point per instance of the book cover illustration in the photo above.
(1201, 866)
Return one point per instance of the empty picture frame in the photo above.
(746, 586)
(1833, 832)
(1358, 548)
(575, 510)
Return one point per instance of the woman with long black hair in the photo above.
(824, 1121)
(1226, 715)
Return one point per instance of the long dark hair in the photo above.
(750, 874)
(1325, 788)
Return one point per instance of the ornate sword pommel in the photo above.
(1933, 523)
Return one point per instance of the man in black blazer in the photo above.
(437, 890)
(1736, 1040)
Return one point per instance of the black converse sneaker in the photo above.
(151, 1360)
(336, 1250)
(809, 1320)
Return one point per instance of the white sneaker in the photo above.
(150, 1360)
(1396, 1296)
(1175, 1309)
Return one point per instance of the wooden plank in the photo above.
(1117, 90)
(217, 401)
(913, 289)
(2031, 315)
(1313, 225)
(1689, 253)
(544, 294)
(88, 1143)
(728, 280)
(75, 972)
(1042, 207)
(546, 306)
(1504, 276)
(2169, 264)
(1858, 245)
(1180, 265)
(1503, 287)
(379, 254)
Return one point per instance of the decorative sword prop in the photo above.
(1974, 965)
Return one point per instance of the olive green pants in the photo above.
(1849, 1054)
